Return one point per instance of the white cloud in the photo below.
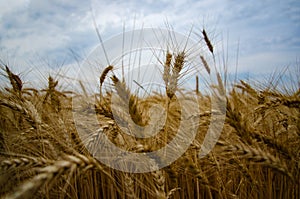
(267, 31)
(42, 28)
(13, 6)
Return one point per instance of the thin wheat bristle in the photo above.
(83, 89)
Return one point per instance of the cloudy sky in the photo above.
(38, 35)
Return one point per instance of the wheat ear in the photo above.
(15, 81)
(26, 109)
(173, 82)
(103, 76)
(167, 67)
(49, 173)
(207, 41)
(129, 186)
(205, 64)
(259, 156)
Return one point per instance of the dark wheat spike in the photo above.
(51, 83)
(103, 76)
(104, 73)
(15, 80)
(207, 41)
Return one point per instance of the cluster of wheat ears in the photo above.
(43, 156)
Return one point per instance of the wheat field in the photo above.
(42, 154)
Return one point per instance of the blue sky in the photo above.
(38, 35)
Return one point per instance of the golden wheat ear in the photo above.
(15, 81)
(173, 81)
(103, 76)
(167, 66)
(130, 100)
(53, 95)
